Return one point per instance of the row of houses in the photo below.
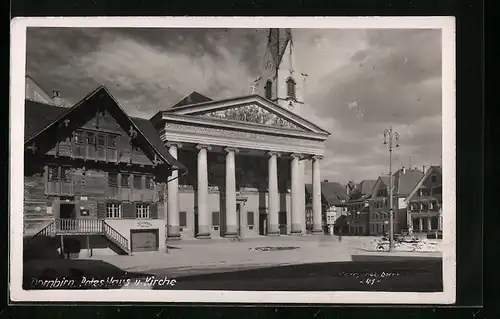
(363, 208)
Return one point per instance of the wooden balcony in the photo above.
(99, 153)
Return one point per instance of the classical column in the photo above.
(429, 223)
(273, 195)
(231, 222)
(302, 193)
(316, 195)
(203, 216)
(173, 229)
(420, 224)
(440, 221)
(297, 196)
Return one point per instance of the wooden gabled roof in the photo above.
(41, 117)
(433, 169)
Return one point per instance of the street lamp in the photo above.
(391, 139)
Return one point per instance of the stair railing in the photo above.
(115, 236)
(48, 231)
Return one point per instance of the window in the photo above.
(438, 190)
(269, 89)
(433, 178)
(250, 219)
(182, 219)
(113, 210)
(53, 173)
(65, 174)
(137, 181)
(101, 140)
(290, 87)
(150, 182)
(90, 138)
(112, 179)
(215, 219)
(142, 211)
(125, 181)
(112, 141)
(78, 137)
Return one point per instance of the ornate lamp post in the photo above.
(391, 138)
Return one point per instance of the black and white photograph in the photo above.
(248, 160)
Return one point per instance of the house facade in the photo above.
(95, 175)
(425, 202)
(379, 208)
(358, 206)
(403, 181)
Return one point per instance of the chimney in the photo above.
(423, 169)
(403, 169)
(56, 97)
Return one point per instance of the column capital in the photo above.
(176, 144)
(317, 157)
(297, 155)
(231, 149)
(204, 146)
(272, 153)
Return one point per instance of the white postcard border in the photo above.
(18, 70)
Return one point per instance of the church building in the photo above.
(201, 168)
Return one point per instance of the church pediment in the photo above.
(252, 114)
(249, 109)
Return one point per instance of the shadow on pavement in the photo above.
(52, 273)
(394, 276)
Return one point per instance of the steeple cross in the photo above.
(132, 131)
(32, 147)
(254, 88)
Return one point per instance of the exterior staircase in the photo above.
(77, 227)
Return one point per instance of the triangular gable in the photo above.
(253, 108)
(132, 125)
(430, 171)
(381, 181)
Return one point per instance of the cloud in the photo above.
(360, 81)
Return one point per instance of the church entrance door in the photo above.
(263, 224)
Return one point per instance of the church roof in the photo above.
(192, 98)
(278, 40)
(39, 117)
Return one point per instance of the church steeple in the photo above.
(280, 82)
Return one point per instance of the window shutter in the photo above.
(101, 210)
(128, 210)
(153, 211)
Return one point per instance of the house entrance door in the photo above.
(67, 214)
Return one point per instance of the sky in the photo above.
(360, 81)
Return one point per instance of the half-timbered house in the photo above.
(95, 175)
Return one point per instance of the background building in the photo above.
(425, 202)
(334, 205)
(358, 206)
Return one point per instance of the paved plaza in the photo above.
(191, 257)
